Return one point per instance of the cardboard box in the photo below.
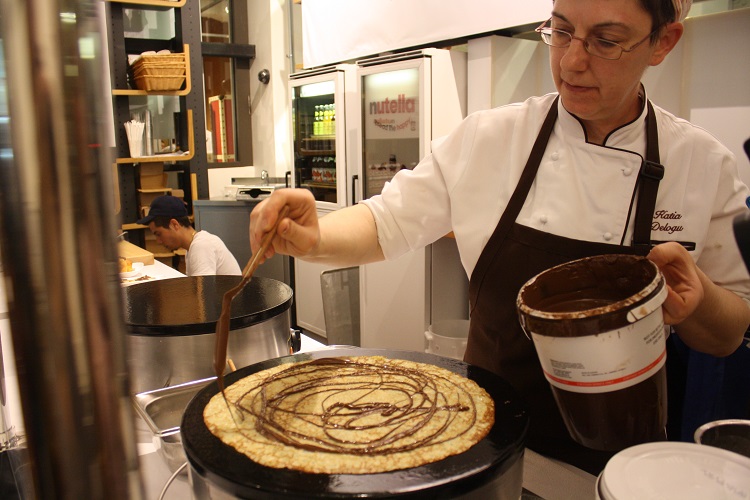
(155, 181)
(152, 176)
(148, 195)
(134, 253)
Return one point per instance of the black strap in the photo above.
(515, 204)
(648, 185)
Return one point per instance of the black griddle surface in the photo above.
(192, 305)
(236, 474)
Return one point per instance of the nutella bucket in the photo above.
(598, 330)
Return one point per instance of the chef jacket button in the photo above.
(554, 156)
(543, 219)
(627, 171)
(607, 236)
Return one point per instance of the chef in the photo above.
(594, 168)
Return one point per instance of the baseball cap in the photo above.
(167, 206)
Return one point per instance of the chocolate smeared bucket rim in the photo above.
(631, 287)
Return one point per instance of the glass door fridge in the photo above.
(319, 132)
(407, 100)
(324, 107)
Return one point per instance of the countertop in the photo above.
(155, 271)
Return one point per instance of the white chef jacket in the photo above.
(208, 255)
(582, 191)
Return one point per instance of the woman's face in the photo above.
(602, 93)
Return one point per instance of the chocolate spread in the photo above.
(331, 376)
(586, 298)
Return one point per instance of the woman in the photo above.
(563, 176)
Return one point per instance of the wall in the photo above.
(716, 79)
(269, 104)
(706, 79)
(330, 36)
(504, 70)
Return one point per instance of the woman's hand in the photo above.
(297, 235)
(707, 317)
(684, 286)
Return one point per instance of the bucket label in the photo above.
(606, 362)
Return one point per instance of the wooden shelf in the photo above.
(132, 226)
(183, 92)
(153, 3)
(319, 152)
(168, 158)
(320, 185)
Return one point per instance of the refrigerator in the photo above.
(324, 112)
(397, 105)
(407, 100)
(322, 104)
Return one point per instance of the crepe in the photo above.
(351, 415)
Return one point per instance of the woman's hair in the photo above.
(661, 11)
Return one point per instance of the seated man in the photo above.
(206, 253)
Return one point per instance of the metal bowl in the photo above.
(162, 411)
(730, 434)
(171, 327)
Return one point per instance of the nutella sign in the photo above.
(392, 105)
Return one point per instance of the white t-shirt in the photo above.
(209, 255)
(582, 191)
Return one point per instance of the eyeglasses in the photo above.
(598, 47)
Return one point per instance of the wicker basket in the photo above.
(159, 72)
(176, 58)
(159, 82)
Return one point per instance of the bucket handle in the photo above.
(647, 308)
(522, 322)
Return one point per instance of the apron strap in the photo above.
(648, 185)
(515, 204)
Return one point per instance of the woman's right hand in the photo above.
(298, 234)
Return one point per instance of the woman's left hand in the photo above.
(685, 290)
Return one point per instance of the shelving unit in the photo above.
(166, 158)
(153, 3)
(183, 36)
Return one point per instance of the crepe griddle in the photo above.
(191, 305)
(237, 475)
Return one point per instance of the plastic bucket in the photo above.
(598, 330)
(447, 338)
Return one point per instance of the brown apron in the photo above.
(513, 255)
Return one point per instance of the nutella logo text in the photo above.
(665, 221)
(399, 105)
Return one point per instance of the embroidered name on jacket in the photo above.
(666, 221)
